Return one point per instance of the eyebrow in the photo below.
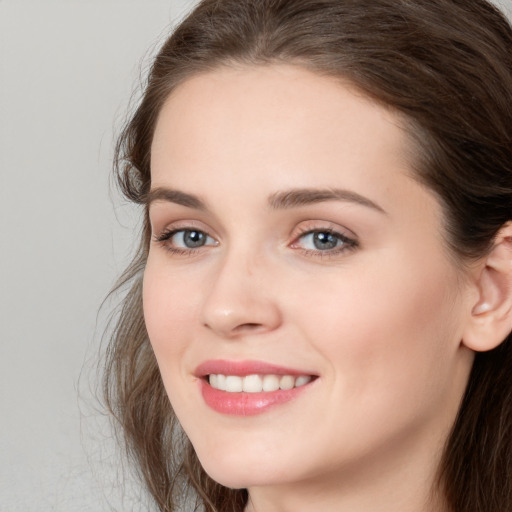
(287, 199)
(305, 196)
(175, 196)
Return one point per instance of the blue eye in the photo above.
(324, 241)
(185, 239)
(190, 239)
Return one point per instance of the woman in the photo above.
(322, 296)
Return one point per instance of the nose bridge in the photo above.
(240, 298)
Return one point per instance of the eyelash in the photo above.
(167, 235)
(348, 244)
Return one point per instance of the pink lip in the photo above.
(245, 404)
(243, 368)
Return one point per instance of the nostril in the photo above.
(247, 327)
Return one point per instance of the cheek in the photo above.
(170, 308)
(169, 304)
(391, 326)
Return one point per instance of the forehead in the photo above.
(270, 109)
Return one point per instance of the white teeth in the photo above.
(234, 383)
(256, 383)
(302, 381)
(221, 382)
(270, 383)
(287, 382)
(253, 384)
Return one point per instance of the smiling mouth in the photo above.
(248, 387)
(257, 383)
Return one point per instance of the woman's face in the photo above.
(292, 249)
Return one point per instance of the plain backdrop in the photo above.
(67, 71)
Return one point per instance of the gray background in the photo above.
(67, 71)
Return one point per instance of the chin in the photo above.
(240, 472)
(240, 477)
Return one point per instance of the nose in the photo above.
(240, 300)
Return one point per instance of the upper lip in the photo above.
(243, 368)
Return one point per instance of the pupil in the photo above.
(324, 241)
(193, 239)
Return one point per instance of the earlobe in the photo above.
(491, 316)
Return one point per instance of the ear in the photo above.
(491, 316)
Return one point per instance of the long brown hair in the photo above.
(446, 67)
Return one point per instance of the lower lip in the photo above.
(246, 404)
